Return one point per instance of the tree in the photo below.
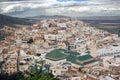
(15, 76)
(38, 74)
(4, 76)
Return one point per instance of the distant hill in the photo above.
(103, 22)
(13, 21)
(47, 17)
(100, 18)
(108, 23)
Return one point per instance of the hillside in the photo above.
(8, 24)
(47, 17)
(13, 21)
(100, 18)
(112, 26)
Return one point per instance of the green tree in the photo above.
(38, 74)
(17, 76)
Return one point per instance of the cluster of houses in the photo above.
(72, 49)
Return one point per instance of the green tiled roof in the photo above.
(88, 52)
(71, 53)
(81, 58)
(71, 59)
(92, 61)
(84, 57)
(56, 54)
(59, 54)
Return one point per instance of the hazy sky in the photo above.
(74, 8)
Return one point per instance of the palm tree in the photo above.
(38, 74)
(34, 72)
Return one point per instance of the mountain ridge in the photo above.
(81, 18)
(13, 21)
(47, 17)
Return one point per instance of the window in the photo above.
(49, 37)
(62, 71)
(54, 71)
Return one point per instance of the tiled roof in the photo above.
(81, 58)
(84, 57)
(56, 54)
(71, 56)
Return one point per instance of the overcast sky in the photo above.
(74, 8)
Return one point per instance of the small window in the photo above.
(49, 36)
(51, 71)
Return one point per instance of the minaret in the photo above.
(93, 48)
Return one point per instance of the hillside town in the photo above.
(70, 49)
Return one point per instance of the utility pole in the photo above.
(18, 60)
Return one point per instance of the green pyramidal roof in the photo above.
(55, 55)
